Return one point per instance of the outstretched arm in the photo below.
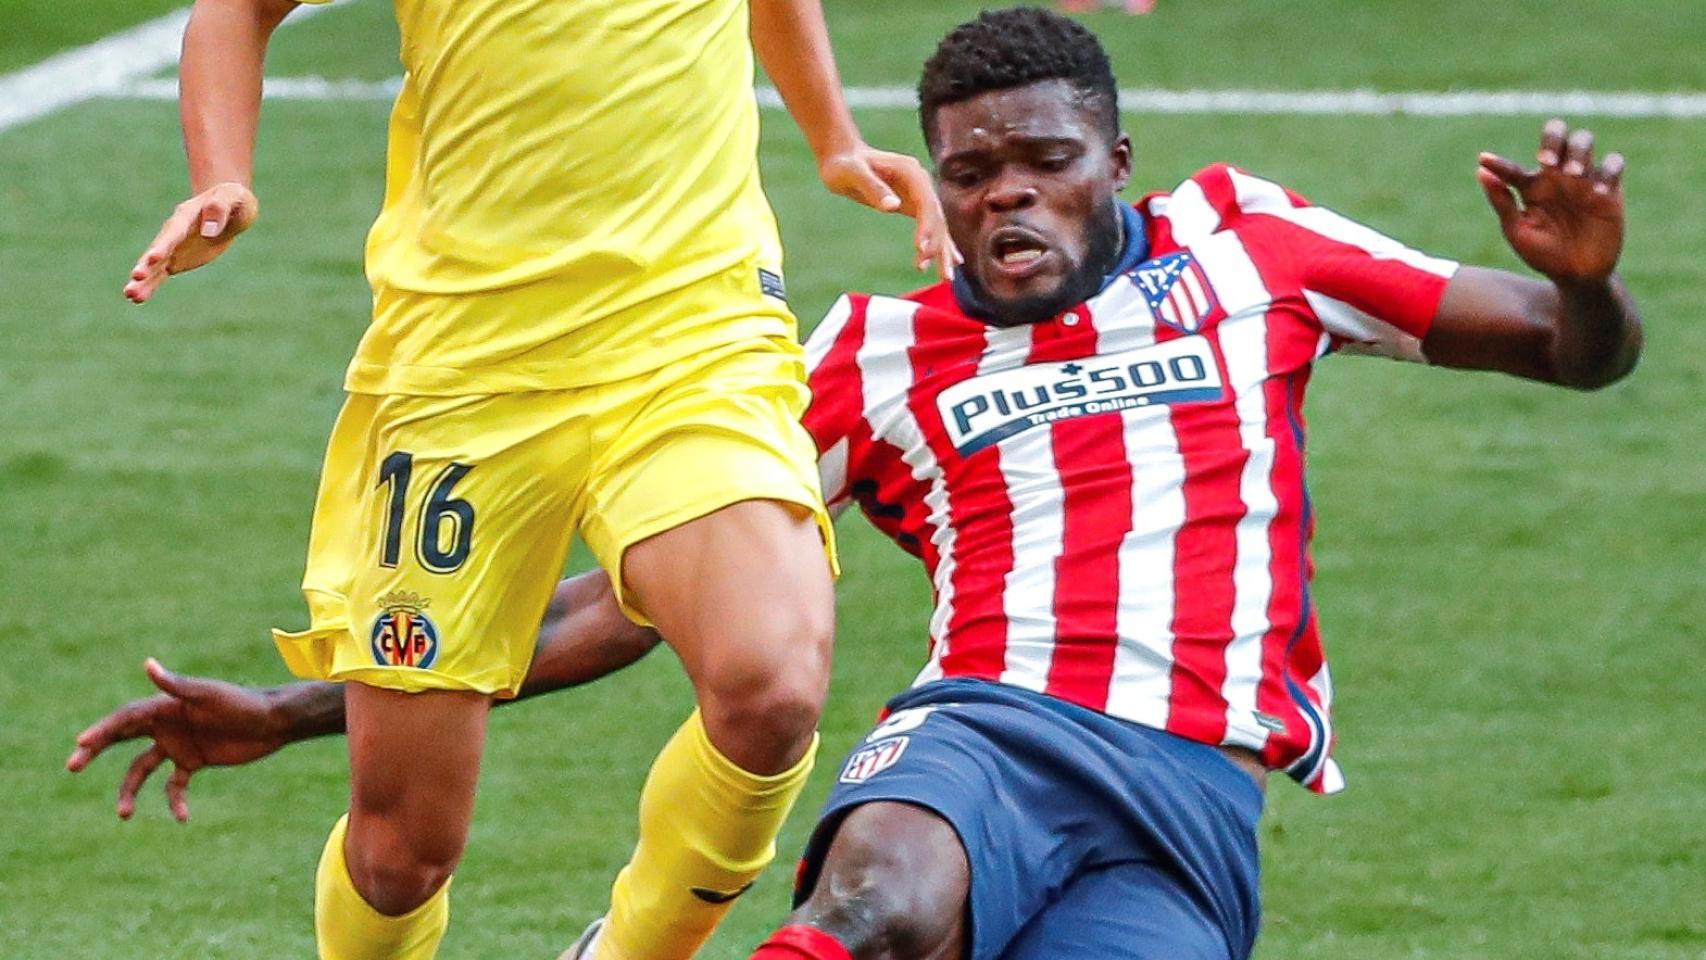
(196, 722)
(220, 106)
(1578, 328)
(792, 42)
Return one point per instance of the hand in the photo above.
(194, 723)
(895, 183)
(1569, 223)
(196, 233)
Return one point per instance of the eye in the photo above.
(1055, 163)
(963, 177)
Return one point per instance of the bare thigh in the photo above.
(745, 598)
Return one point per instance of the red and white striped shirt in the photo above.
(1111, 505)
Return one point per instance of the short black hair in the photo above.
(1017, 47)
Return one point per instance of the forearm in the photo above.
(308, 710)
(1583, 335)
(1597, 339)
(219, 99)
(792, 41)
(584, 637)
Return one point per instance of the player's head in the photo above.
(1021, 115)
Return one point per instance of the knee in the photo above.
(893, 886)
(875, 920)
(763, 708)
(773, 680)
(885, 904)
(396, 870)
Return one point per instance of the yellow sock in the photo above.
(707, 828)
(346, 927)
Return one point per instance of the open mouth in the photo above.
(1017, 250)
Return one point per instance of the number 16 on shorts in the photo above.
(445, 525)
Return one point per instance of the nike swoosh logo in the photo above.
(717, 896)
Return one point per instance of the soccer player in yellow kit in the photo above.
(578, 324)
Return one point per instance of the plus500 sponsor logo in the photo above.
(988, 409)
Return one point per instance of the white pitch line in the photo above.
(1369, 103)
(1456, 103)
(107, 67)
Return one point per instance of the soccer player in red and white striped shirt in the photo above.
(1094, 441)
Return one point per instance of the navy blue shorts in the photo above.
(1088, 837)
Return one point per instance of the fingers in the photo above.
(936, 247)
(210, 219)
(171, 684)
(140, 769)
(912, 182)
(1578, 153)
(177, 793)
(151, 268)
(1552, 142)
(867, 186)
(1506, 170)
(931, 238)
(121, 724)
(1577, 157)
(1610, 175)
(1500, 196)
(948, 260)
(172, 235)
(141, 289)
(1569, 153)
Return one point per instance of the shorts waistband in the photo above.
(1210, 761)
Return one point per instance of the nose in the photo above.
(1010, 191)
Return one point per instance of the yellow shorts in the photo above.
(442, 523)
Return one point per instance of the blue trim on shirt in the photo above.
(1307, 768)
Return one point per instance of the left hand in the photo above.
(895, 183)
(198, 231)
(194, 723)
(1565, 219)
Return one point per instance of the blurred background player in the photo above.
(577, 300)
(1094, 442)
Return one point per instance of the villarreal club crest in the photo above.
(403, 634)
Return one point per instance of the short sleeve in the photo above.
(1371, 293)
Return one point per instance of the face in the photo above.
(1027, 178)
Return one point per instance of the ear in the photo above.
(1121, 158)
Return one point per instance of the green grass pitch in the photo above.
(1510, 576)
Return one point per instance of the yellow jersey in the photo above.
(572, 197)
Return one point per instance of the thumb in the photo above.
(183, 688)
(1499, 196)
(215, 215)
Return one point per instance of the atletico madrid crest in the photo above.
(1177, 291)
(403, 635)
(874, 759)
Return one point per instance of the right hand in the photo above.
(196, 233)
(895, 183)
(194, 723)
